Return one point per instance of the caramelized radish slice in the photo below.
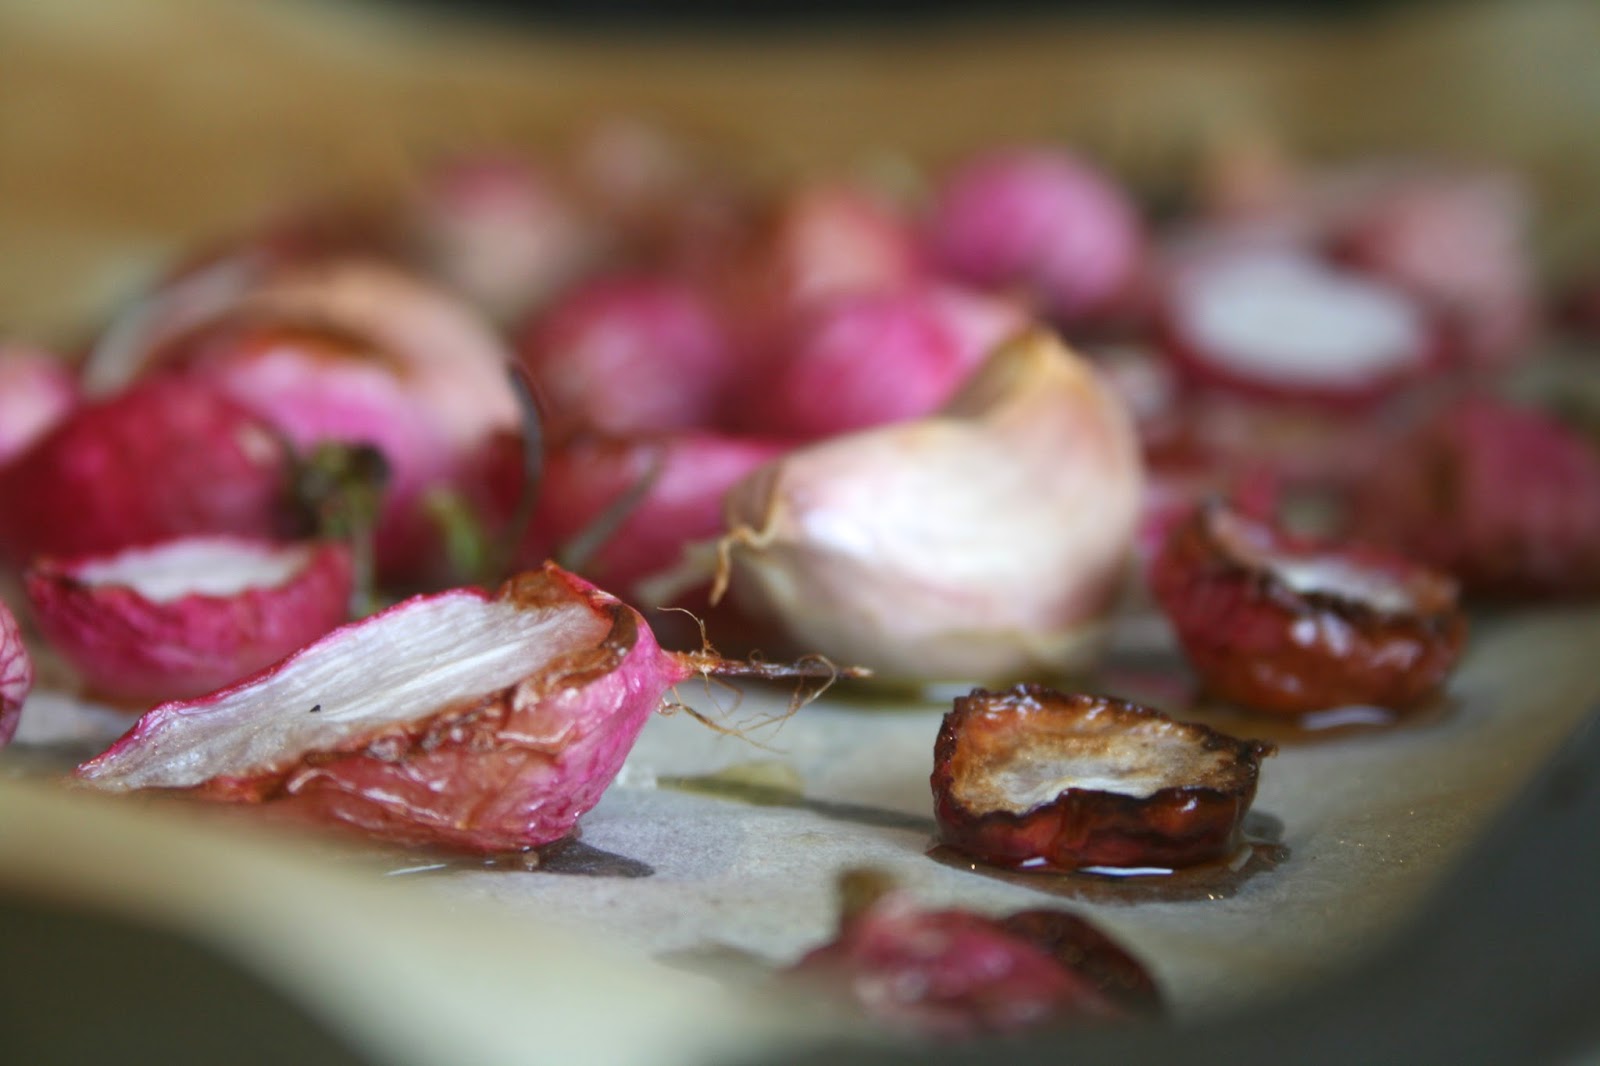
(16, 675)
(1032, 778)
(183, 617)
(1275, 323)
(466, 720)
(955, 973)
(1285, 626)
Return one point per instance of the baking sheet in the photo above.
(738, 888)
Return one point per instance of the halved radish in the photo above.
(182, 617)
(1284, 625)
(462, 719)
(1277, 323)
(16, 675)
(1033, 778)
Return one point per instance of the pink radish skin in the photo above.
(168, 457)
(184, 617)
(865, 359)
(1043, 223)
(37, 390)
(1276, 324)
(463, 720)
(1502, 497)
(689, 474)
(16, 675)
(628, 355)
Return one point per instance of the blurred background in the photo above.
(131, 127)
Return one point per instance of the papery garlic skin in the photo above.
(987, 541)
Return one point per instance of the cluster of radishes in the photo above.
(926, 431)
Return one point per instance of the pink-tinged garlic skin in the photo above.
(950, 974)
(1503, 497)
(1269, 321)
(16, 675)
(168, 457)
(470, 721)
(37, 390)
(1458, 239)
(868, 358)
(688, 475)
(986, 541)
(628, 355)
(185, 617)
(498, 230)
(1041, 222)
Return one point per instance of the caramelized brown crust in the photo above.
(1162, 793)
(1259, 642)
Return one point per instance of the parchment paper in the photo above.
(1373, 822)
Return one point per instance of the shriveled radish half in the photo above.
(1279, 624)
(1282, 324)
(16, 675)
(182, 617)
(461, 719)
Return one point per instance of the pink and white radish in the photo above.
(471, 721)
(1276, 323)
(36, 391)
(864, 359)
(170, 456)
(1042, 223)
(16, 675)
(626, 355)
(186, 616)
